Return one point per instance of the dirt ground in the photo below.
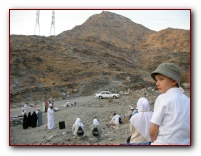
(87, 109)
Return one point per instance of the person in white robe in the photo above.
(140, 123)
(75, 128)
(115, 120)
(50, 117)
(97, 125)
(25, 106)
(67, 104)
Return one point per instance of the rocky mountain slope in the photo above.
(106, 52)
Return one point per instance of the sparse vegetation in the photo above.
(43, 62)
(18, 98)
(110, 100)
(55, 94)
(70, 91)
(185, 78)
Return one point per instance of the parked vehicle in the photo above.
(107, 94)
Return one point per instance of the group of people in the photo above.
(169, 123)
(78, 129)
(48, 103)
(32, 119)
(67, 104)
(78, 126)
(35, 119)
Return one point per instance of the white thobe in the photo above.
(50, 118)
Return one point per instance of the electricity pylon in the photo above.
(53, 22)
(37, 22)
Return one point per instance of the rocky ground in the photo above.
(87, 108)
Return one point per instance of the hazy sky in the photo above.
(24, 21)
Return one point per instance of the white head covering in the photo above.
(95, 122)
(50, 104)
(78, 122)
(143, 105)
(141, 120)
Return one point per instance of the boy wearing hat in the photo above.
(170, 123)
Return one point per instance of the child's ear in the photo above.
(174, 83)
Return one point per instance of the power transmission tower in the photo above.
(37, 22)
(53, 22)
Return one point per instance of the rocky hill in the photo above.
(107, 52)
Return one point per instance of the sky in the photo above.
(24, 22)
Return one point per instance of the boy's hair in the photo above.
(168, 69)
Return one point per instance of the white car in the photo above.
(107, 94)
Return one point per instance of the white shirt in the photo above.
(172, 114)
